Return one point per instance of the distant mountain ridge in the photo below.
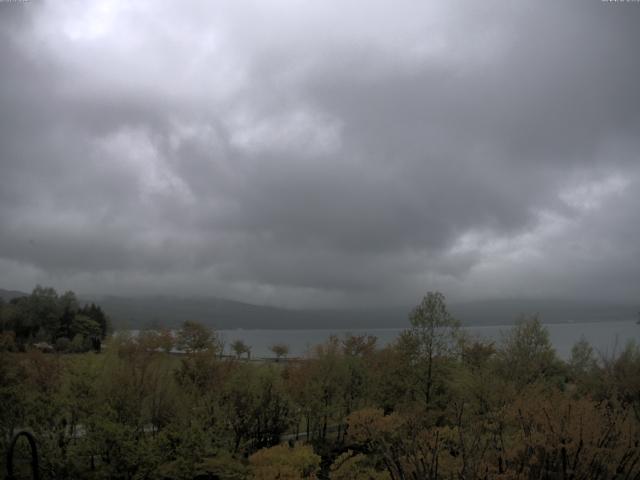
(135, 312)
(166, 310)
(7, 295)
(506, 311)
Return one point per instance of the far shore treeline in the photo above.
(434, 404)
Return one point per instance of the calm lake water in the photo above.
(606, 337)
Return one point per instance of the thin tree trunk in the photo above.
(429, 377)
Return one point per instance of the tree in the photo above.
(280, 350)
(406, 447)
(194, 337)
(69, 307)
(318, 385)
(85, 326)
(166, 340)
(583, 359)
(39, 310)
(77, 343)
(432, 335)
(96, 313)
(356, 466)
(476, 353)
(527, 354)
(562, 437)
(156, 340)
(240, 348)
(359, 345)
(256, 407)
(622, 375)
(45, 316)
(357, 351)
(285, 463)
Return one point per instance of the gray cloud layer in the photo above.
(328, 154)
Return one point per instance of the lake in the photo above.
(605, 337)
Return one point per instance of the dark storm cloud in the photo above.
(321, 155)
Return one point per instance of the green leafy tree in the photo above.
(85, 326)
(96, 313)
(526, 354)
(432, 335)
(39, 310)
(45, 316)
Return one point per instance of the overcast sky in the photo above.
(321, 153)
